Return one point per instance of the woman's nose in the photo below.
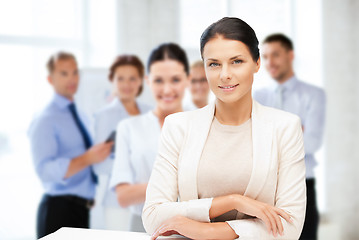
(167, 88)
(226, 75)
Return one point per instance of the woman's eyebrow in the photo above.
(235, 57)
(212, 59)
(156, 76)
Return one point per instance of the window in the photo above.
(30, 31)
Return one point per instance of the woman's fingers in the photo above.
(278, 222)
(266, 220)
(169, 233)
(284, 215)
(154, 235)
(157, 233)
(164, 230)
(270, 216)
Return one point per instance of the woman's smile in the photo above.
(229, 88)
(168, 99)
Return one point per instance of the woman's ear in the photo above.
(258, 65)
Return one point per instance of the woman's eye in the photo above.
(237, 61)
(120, 79)
(176, 80)
(158, 80)
(213, 64)
(132, 79)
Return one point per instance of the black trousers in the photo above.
(311, 222)
(55, 212)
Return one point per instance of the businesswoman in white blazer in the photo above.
(138, 137)
(126, 75)
(235, 168)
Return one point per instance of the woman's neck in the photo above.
(234, 113)
(130, 106)
(200, 103)
(161, 114)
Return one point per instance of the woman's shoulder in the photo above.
(110, 108)
(138, 120)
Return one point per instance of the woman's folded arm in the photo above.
(162, 192)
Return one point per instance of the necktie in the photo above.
(278, 99)
(81, 127)
(85, 136)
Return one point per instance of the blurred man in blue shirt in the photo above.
(305, 100)
(63, 153)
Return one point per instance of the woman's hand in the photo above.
(180, 225)
(194, 230)
(267, 213)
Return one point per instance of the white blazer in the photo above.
(278, 175)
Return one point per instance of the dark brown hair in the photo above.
(61, 55)
(131, 60)
(279, 37)
(168, 51)
(233, 29)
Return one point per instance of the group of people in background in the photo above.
(120, 156)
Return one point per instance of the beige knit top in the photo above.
(226, 162)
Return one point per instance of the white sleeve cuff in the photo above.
(246, 228)
(119, 178)
(243, 230)
(198, 209)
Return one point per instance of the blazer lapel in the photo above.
(197, 136)
(262, 131)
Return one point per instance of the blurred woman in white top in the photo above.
(137, 138)
(198, 87)
(126, 75)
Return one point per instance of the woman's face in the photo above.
(168, 81)
(126, 82)
(229, 69)
(198, 84)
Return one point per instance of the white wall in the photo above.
(142, 25)
(341, 76)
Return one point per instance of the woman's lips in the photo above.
(168, 99)
(228, 88)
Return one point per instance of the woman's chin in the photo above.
(127, 96)
(170, 107)
(229, 99)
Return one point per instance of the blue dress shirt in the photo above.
(55, 140)
(306, 101)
